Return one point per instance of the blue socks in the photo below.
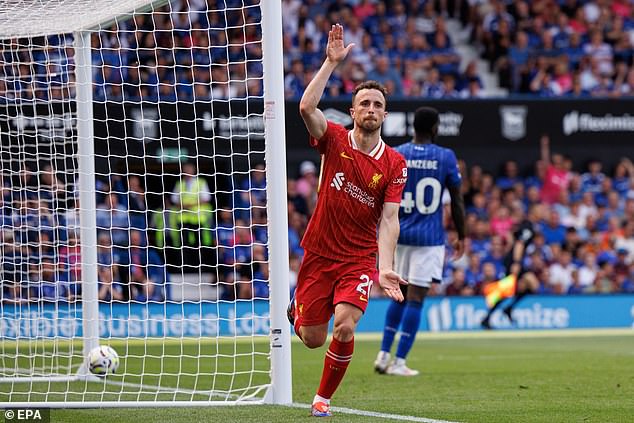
(392, 322)
(411, 322)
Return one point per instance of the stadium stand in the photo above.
(538, 48)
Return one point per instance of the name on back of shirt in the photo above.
(423, 164)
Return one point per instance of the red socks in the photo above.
(336, 362)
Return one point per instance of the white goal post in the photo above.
(143, 203)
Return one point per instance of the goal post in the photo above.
(281, 388)
(135, 137)
(86, 179)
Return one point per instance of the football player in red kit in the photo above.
(360, 188)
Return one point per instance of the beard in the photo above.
(369, 125)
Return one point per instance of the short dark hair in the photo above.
(425, 119)
(369, 85)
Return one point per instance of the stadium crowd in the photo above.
(542, 48)
(585, 218)
(584, 242)
(585, 237)
(202, 50)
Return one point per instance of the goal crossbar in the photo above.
(57, 17)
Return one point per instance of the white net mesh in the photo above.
(179, 184)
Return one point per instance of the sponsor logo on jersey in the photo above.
(375, 180)
(345, 156)
(358, 194)
(337, 181)
(400, 181)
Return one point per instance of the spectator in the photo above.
(294, 84)
(110, 289)
(432, 86)
(625, 241)
(557, 177)
(623, 177)
(136, 203)
(478, 207)
(561, 273)
(600, 51)
(383, 73)
(502, 223)
(69, 265)
(445, 58)
(496, 256)
(605, 282)
(296, 201)
(307, 183)
(510, 175)
(261, 281)
(113, 218)
(473, 272)
(255, 184)
(43, 282)
(140, 287)
(192, 199)
(554, 232)
(458, 285)
(588, 270)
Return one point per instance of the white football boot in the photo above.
(382, 362)
(398, 368)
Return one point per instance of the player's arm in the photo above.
(389, 229)
(335, 53)
(458, 217)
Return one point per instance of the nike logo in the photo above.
(363, 299)
(345, 156)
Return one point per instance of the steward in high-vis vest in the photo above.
(194, 212)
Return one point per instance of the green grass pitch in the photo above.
(478, 377)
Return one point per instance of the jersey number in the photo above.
(365, 286)
(408, 202)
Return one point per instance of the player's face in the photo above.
(368, 110)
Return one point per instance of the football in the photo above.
(103, 360)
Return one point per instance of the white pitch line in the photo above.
(506, 334)
(376, 414)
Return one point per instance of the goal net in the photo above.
(137, 207)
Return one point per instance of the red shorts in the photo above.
(323, 283)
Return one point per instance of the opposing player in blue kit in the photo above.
(420, 252)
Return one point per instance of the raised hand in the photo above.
(390, 282)
(335, 50)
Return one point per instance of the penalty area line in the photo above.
(366, 413)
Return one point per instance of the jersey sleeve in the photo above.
(332, 134)
(394, 190)
(453, 172)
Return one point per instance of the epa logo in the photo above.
(337, 181)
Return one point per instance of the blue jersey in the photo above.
(430, 168)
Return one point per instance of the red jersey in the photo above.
(352, 189)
